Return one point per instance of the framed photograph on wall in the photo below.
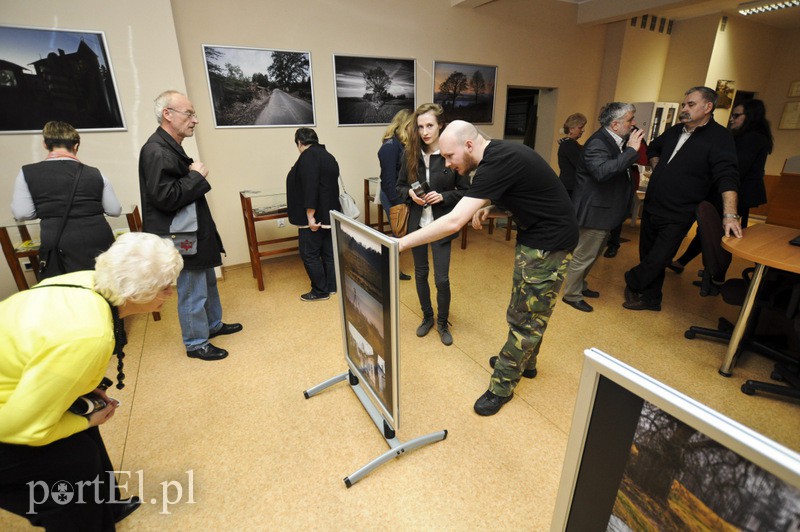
(259, 87)
(465, 91)
(371, 90)
(367, 266)
(642, 455)
(56, 74)
(726, 90)
(790, 118)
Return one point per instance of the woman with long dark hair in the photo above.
(432, 191)
(753, 137)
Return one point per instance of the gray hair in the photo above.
(708, 94)
(614, 111)
(163, 101)
(136, 268)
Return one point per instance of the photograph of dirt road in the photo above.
(255, 87)
(363, 270)
(370, 90)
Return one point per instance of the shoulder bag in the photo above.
(349, 207)
(183, 230)
(398, 219)
(52, 263)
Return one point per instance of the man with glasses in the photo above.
(173, 189)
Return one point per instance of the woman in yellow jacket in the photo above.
(56, 341)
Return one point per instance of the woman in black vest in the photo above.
(44, 189)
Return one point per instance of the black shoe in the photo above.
(444, 333)
(207, 352)
(404, 277)
(676, 267)
(311, 296)
(227, 328)
(631, 296)
(611, 252)
(581, 305)
(590, 293)
(640, 304)
(489, 404)
(528, 373)
(126, 507)
(425, 326)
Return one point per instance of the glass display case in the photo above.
(258, 207)
(24, 244)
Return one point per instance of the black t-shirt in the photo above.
(517, 179)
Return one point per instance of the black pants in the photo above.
(31, 474)
(659, 240)
(316, 251)
(440, 250)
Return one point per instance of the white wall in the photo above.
(145, 57)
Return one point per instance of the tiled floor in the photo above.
(250, 453)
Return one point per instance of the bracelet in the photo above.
(730, 215)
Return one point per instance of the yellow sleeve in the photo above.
(36, 412)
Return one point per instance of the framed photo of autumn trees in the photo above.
(371, 90)
(465, 91)
(643, 456)
(258, 87)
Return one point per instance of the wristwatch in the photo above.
(731, 215)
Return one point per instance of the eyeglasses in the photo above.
(186, 113)
(734, 116)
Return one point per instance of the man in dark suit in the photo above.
(312, 191)
(603, 187)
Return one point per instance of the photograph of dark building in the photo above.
(56, 75)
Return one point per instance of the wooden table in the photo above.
(253, 243)
(768, 246)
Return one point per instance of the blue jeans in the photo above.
(199, 308)
(316, 251)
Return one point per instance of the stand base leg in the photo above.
(394, 452)
(328, 383)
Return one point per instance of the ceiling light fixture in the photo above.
(754, 8)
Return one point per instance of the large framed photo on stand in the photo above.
(643, 456)
(367, 274)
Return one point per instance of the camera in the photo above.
(420, 188)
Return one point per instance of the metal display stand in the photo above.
(397, 447)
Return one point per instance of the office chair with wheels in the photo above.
(784, 371)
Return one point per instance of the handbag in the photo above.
(349, 207)
(52, 263)
(398, 219)
(183, 230)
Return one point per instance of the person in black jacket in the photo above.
(689, 160)
(312, 191)
(601, 194)
(569, 151)
(753, 137)
(438, 190)
(172, 184)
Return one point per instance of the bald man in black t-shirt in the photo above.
(511, 177)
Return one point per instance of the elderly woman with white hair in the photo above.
(56, 341)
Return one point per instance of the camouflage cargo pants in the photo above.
(537, 279)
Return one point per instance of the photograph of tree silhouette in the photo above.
(56, 75)
(259, 88)
(372, 90)
(465, 92)
(677, 478)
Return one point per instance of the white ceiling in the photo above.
(601, 11)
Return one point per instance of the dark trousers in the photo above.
(440, 250)
(31, 474)
(316, 251)
(613, 237)
(659, 240)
